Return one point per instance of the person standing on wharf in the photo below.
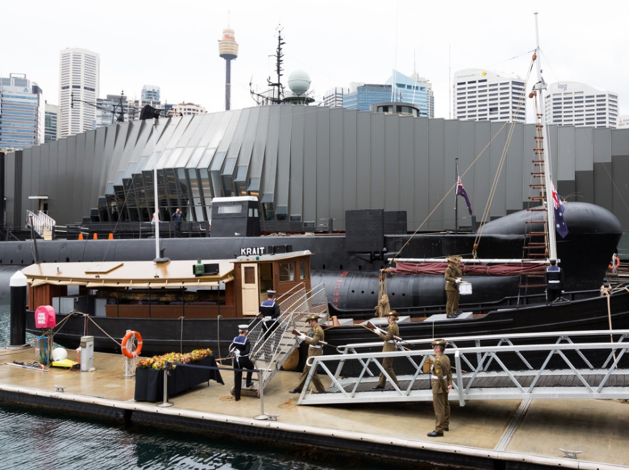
(240, 348)
(441, 381)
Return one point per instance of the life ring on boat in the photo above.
(615, 262)
(130, 334)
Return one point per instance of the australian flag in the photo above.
(460, 191)
(560, 223)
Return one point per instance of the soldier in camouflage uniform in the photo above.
(453, 278)
(393, 330)
(315, 348)
(441, 380)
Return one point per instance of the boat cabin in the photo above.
(172, 289)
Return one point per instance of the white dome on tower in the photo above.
(299, 82)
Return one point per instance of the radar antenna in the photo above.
(276, 92)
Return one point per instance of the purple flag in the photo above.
(460, 191)
(560, 223)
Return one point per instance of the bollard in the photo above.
(18, 309)
(111, 236)
(80, 236)
(95, 236)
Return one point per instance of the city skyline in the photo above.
(351, 43)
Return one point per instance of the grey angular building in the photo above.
(308, 165)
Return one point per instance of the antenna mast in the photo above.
(279, 62)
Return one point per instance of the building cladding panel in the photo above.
(577, 104)
(308, 165)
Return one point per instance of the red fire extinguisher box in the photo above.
(45, 317)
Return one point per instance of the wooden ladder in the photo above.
(536, 234)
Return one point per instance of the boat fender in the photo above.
(125, 341)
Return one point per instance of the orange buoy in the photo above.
(80, 236)
(111, 236)
(95, 237)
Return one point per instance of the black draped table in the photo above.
(149, 383)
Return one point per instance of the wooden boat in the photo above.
(175, 305)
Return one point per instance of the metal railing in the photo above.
(588, 364)
(41, 221)
(273, 340)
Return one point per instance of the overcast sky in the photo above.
(173, 44)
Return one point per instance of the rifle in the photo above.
(373, 327)
(296, 332)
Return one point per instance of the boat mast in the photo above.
(456, 196)
(545, 148)
(156, 213)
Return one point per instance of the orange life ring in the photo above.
(125, 340)
(615, 263)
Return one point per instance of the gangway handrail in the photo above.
(512, 336)
(603, 376)
(275, 342)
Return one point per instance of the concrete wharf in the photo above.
(483, 434)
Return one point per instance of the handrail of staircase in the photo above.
(34, 219)
(48, 221)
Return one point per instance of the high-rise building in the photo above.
(21, 113)
(79, 83)
(398, 88)
(112, 109)
(150, 94)
(186, 109)
(334, 97)
(414, 89)
(481, 95)
(52, 116)
(577, 104)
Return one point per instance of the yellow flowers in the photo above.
(158, 362)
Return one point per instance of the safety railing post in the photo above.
(166, 403)
(459, 377)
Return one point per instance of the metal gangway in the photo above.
(273, 341)
(574, 364)
(42, 223)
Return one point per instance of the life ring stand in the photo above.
(130, 334)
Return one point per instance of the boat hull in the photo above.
(166, 335)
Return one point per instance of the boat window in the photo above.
(250, 275)
(231, 209)
(303, 273)
(287, 272)
(266, 276)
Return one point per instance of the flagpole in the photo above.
(456, 196)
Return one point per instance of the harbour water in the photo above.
(43, 438)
